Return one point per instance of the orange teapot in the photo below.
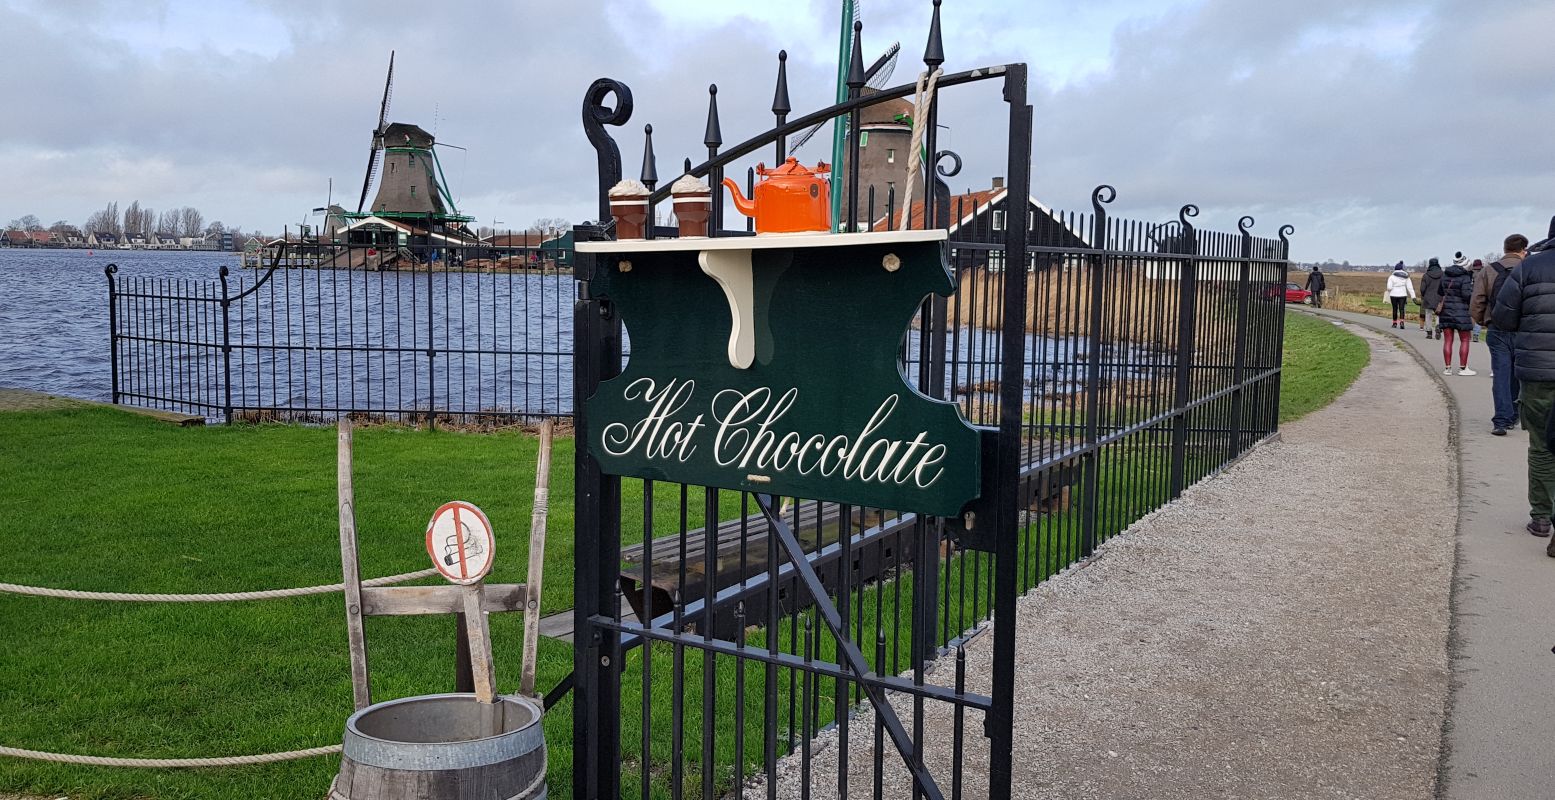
(789, 198)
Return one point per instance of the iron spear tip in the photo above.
(934, 52)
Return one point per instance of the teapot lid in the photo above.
(792, 168)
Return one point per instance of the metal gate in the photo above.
(733, 644)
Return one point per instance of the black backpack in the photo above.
(1495, 285)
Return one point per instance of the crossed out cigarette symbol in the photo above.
(451, 544)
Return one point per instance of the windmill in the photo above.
(411, 186)
(377, 143)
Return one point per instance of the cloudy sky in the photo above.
(1383, 130)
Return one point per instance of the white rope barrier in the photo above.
(168, 763)
(219, 597)
(920, 109)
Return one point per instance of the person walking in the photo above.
(1475, 268)
(1399, 292)
(1452, 309)
(1525, 306)
(1430, 297)
(1316, 284)
(1504, 375)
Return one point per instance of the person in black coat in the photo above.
(1316, 284)
(1430, 297)
(1453, 318)
(1525, 307)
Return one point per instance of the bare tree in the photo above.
(190, 221)
(215, 227)
(61, 226)
(132, 219)
(105, 220)
(27, 222)
(550, 226)
(167, 222)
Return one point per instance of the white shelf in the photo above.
(765, 241)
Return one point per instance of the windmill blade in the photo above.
(388, 93)
(805, 137)
(879, 73)
(377, 143)
(372, 168)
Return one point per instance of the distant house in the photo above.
(134, 241)
(15, 239)
(43, 239)
(69, 237)
(217, 241)
(166, 241)
(103, 239)
(556, 250)
(982, 216)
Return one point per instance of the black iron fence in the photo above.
(719, 633)
(461, 330)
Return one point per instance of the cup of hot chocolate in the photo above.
(629, 207)
(693, 205)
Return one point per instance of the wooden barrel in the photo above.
(443, 747)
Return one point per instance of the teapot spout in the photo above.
(745, 205)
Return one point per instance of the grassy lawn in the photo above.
(1321, 361)
(137, 505)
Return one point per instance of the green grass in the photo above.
(130, 504)
(1321, 361)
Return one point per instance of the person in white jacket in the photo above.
(1399, 292)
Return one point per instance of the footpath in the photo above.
(1280, 632)
(1500, 740)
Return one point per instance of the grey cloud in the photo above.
(1273, 109)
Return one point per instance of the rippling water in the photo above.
(54, 312)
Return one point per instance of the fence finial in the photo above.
(780, 104)
(713, 137)
(934, 52)
(596, 115)
(856, 63)
(1245, 224)
(650, 171)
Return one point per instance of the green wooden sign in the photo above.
(773, 364)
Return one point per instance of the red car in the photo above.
(1296, 294)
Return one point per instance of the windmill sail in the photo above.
(377, 143)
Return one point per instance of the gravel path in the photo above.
(1280, 632)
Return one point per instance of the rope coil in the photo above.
(217, 597)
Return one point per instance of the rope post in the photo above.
(361, 693)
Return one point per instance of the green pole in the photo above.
(839, 136)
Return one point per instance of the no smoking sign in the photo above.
(460, 542)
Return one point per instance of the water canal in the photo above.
(54, 335)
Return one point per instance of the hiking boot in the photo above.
(1499, 431)
(1466, 371)
(1539, 526)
